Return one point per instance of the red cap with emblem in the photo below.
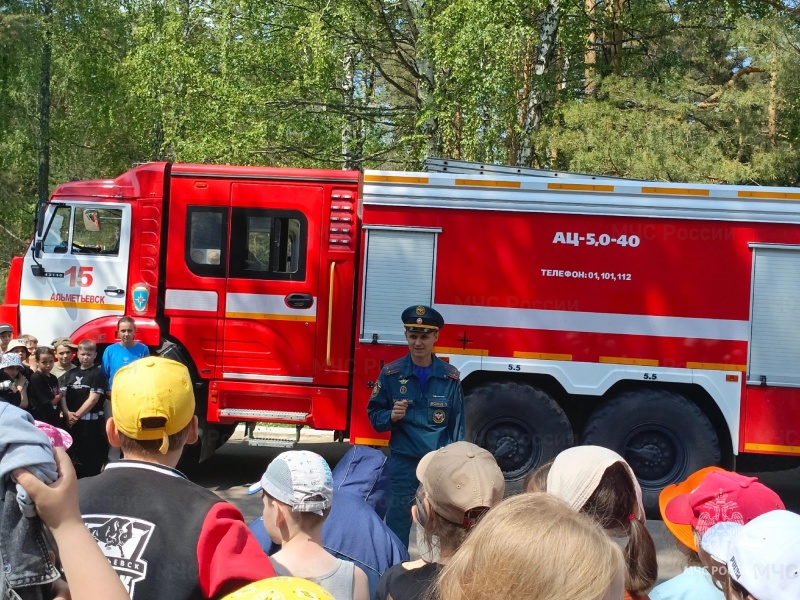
(721, 497)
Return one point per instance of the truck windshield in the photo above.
(58, 231)
(95, 230)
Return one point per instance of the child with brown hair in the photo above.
(458, 485)
(534, 546)
(47, 402)
(31, 344)
(297, 491)
(598, 482)
(165, 536)
(64, 349)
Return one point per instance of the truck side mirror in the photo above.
(91, 220)
(40, 208)
(37, 248)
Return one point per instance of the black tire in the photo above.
(217, 434)
(663, 436)
(520, 425)
(192, 456)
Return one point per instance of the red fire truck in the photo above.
(657, 319)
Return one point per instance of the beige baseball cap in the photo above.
(461, 478)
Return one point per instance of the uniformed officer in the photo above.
(419, 399)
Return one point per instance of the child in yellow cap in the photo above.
(165, 536)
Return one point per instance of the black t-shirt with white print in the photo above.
(79, 383)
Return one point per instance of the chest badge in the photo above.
(402, 381)
(438, 416)
(403, 389)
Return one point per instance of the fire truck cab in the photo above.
(652, 318)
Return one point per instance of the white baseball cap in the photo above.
(299, 478)
(763, 556)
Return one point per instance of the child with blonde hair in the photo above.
(64, 350)
(534, 546)
(83, 389)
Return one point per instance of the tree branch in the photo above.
(713, 99)
(13, 235)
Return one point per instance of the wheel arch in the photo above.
(696, 394)
(562, 380)
(575, 409)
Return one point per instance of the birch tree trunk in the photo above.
(426, 82)
(534, 109)
(772, 111)
(590, 56)
(352, 139)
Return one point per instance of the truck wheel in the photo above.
(520, 425)
(212, 435)
(193, 454)
(663, 436)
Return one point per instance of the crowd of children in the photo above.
(139, 528)
(67, 385)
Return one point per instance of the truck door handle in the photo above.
(114, 291)
(299, 300)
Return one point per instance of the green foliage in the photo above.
(694, 90)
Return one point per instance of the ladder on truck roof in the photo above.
(466, 167)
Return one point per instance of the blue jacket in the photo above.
(360, 487)
(435, 415)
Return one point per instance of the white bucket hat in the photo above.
(10, 359)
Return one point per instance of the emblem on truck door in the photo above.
(140, 295)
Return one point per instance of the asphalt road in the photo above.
(238, 464)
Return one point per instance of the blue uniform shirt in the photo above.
(435, 415)
(117, 356)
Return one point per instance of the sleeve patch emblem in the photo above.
(375, 390)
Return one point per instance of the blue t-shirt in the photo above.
(694, 583)
(422, 374)
(117, 356)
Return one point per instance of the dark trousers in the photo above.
(404, 483)
(89, 451)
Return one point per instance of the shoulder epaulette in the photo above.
(451, 371)
(393, 367)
